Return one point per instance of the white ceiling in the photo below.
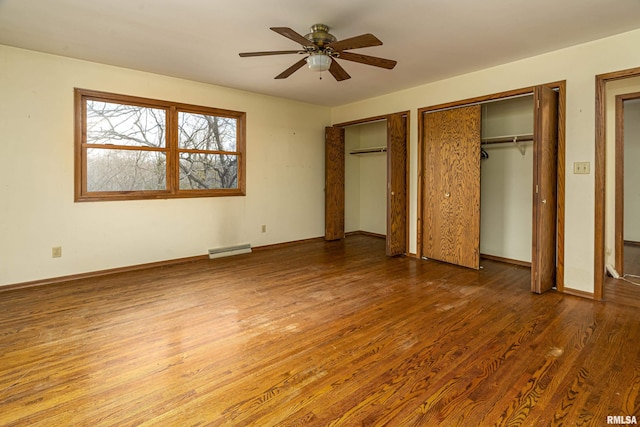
(200, 39)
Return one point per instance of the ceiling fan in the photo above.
(323, 49)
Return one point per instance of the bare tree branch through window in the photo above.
(139, 148)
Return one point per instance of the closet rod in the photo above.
(507, 139)
(369, 150)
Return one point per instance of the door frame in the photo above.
(560, 86)
(619, 185)
(405, 210)
(600, 176)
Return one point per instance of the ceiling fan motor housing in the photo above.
(320, 35)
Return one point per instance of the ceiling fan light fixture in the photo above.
(319, 62)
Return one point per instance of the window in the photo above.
(136, 148)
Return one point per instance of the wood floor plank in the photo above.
(315, 334)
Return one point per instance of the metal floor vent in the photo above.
(230, 250)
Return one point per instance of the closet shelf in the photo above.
(369, 150)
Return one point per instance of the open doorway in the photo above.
(627, 192)
(608, 86)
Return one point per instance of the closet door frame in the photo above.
(397, 210)
(560, 86)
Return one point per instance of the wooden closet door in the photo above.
(334, 184)
(545, 167)
(396, 185)
(451, 186)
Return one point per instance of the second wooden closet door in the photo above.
(451, 185)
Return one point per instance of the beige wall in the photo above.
(578, 66)
(285, 175)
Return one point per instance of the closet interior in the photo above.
(366, 178)
(506, 179)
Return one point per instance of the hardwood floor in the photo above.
(316, 334)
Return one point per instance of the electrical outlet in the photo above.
(264, 228)
(581, 168)
(56, 252)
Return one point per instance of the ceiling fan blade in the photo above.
(365, 40)
(295, 67)
(292, 35)
(368, 60)
(273, 52)
(337, 71)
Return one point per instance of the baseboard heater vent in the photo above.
(230, 250)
